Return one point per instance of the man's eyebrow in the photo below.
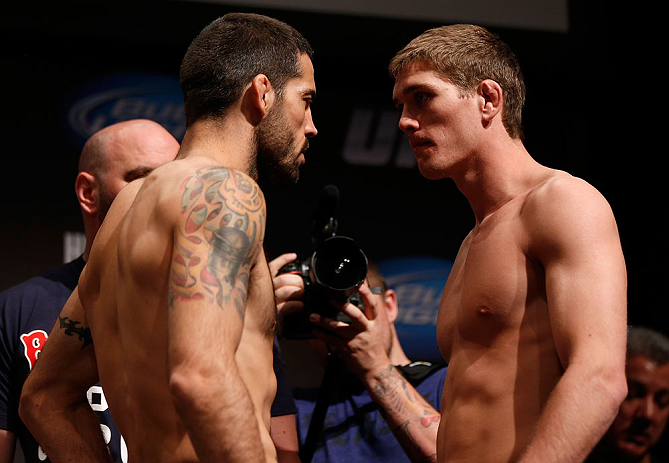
(309, 92)
(405, 91)
(137, 172)
(396, 103)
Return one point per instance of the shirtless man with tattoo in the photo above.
(110, 159)
(532, 320)
(177, 297)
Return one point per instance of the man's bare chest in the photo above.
(493, 280)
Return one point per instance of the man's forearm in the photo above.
(284, 436)
(577, 414)
(66, 435)
(219, 416)
(7, 446)
(413, 421)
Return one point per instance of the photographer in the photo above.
(378, 393)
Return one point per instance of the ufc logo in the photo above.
(373, 139)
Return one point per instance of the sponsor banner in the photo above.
(373, 139)
(120, 97)
(418, 282)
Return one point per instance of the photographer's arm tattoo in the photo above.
(408, 414)
(219, 236)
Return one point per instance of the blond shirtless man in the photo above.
(532, 319)
(175, 308)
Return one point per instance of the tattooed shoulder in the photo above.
(219, 235)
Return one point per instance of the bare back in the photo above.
(498, 323)
(180, 275)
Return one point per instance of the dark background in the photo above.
(593, 107)
(583, 115)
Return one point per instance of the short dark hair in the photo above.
(466, 55)
(649, 343)
(228, 53)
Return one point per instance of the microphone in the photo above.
(323, 217)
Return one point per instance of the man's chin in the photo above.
(281, 177)
(290, 174)
(633, 448)
(430, 173)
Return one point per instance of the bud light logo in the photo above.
(121, 97)
(418, 282)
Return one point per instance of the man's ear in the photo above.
(87, 189)
(390, 298)
(259, 98)
(492, 99)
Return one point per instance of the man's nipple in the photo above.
(483, 311)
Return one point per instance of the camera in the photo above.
(333, 272)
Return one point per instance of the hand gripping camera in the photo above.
(334, 271)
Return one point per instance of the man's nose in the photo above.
(407, 123)
(646, 408)
(310, 129)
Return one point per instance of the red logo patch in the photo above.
(33, 343)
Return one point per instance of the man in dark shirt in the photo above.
(378, 405)
(111, 158)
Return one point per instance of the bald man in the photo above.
(114, 157)
(110, 159)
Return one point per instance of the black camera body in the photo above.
(333, 273)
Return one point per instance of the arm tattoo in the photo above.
(224, 214)
(398, 398)
(392, 388)
(71, 329)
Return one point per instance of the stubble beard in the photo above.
(276, 157)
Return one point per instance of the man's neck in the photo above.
(493, 177)
(228, 142)
(397, 356)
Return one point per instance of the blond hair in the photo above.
(465, 55)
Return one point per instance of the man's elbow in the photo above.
(40, 400)
(188, 387)
(614, 388)
(619, 389)
(30, 403)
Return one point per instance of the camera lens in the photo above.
(339, 264)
